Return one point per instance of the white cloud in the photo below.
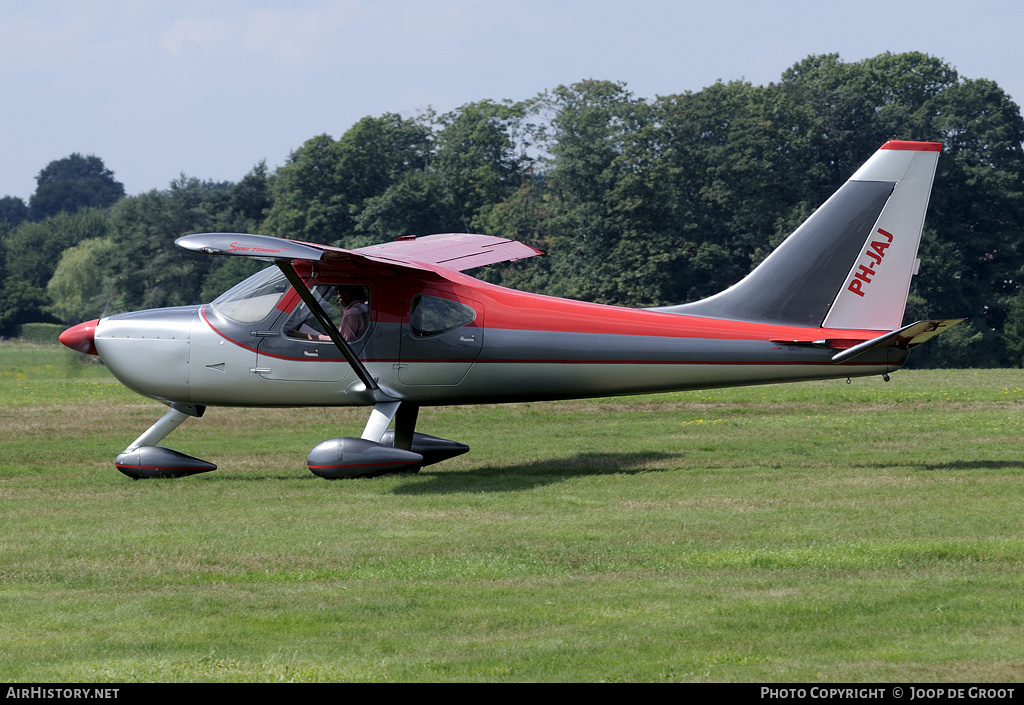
(30, 43)
(298, 38)
(189, 35)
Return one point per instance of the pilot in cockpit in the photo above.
(354, 317)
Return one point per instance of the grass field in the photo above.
(809, 532)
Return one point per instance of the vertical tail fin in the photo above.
(850, 264)
(874, 294)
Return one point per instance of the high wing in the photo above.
(452, 251)
(455, 251)
(449, 251)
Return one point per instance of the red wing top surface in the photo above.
(454, 251)
(451, 251)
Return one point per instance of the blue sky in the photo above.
(209, 89)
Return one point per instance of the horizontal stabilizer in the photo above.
(906, 338)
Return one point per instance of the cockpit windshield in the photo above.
(254, 299)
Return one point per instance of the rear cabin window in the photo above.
(433, 316)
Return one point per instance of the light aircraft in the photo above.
(399, 326)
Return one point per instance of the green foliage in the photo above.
(325, 184)
(413, 205)
(12, 210)
(34, 248)
(250, 198)
(21, 302)
(147, 270)
(70, 184)
(1013, 331)
(480, 157)
(639, 202)
(525, 215)
(81, 287)
(591, 125)
(305, 197)
(41, 332)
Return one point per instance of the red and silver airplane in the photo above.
(398, 326)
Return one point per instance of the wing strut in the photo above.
(314, 306)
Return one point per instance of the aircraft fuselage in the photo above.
(517, 347)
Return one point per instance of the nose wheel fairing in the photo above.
(143, 459)
(148, 462)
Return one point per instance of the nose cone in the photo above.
(81, 337)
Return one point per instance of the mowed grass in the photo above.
(808, 532)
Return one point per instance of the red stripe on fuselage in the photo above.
(512, 310)
(827, 363)
(349, 465)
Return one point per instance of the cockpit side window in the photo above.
(431, 315)
(254, 299)
(348, 306)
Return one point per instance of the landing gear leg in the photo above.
(380, 419)
(143, 459)
(405, 425)
(404, 436)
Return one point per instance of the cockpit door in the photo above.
(442, 336)
(295, 348)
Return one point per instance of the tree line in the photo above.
(638, 201)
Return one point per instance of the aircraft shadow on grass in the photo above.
(527, 476)
(973, 465)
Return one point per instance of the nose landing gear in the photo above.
(142, 459)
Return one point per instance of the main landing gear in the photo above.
(379, 451)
